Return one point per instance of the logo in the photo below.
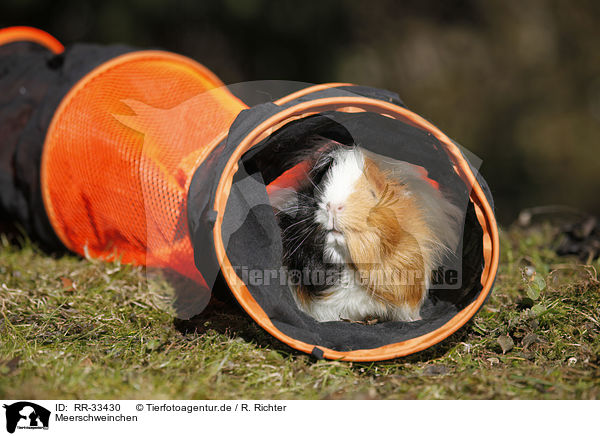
(26, 415)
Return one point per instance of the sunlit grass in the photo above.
(72, 328)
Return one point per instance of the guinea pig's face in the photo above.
(347, 193)
(357, 204)
(345, 169)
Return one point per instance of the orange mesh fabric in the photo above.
(120, 153)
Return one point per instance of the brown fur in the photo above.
(306, 297)
(386, 234)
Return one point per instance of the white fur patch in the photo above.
(350, 300)
(336, 187)
(345, 171)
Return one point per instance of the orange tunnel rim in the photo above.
(30, 34)
(484, 212)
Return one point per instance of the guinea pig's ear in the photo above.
(375, 176)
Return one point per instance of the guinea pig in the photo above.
(361, 240)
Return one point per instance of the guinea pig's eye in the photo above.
(373, 193)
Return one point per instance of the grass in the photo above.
(72, 328)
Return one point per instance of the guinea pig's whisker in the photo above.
(300, 244)
(301, 194)
(289, 210)
(317, 188)
(301, 234)
(298, 222)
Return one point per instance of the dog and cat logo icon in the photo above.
(26, 415)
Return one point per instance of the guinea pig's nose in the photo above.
(334, 207)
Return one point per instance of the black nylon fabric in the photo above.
(255, 242)
(33, 81)
(257, 246)
(201, 196)
(379, 94)
(204, 182)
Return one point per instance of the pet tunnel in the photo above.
(146, 156)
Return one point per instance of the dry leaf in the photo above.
(67, 284)
(529, 339)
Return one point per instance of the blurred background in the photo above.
(517, 83)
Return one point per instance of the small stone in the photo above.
(524, 218)
(436, 370)
(506, 343)
(493, 360)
